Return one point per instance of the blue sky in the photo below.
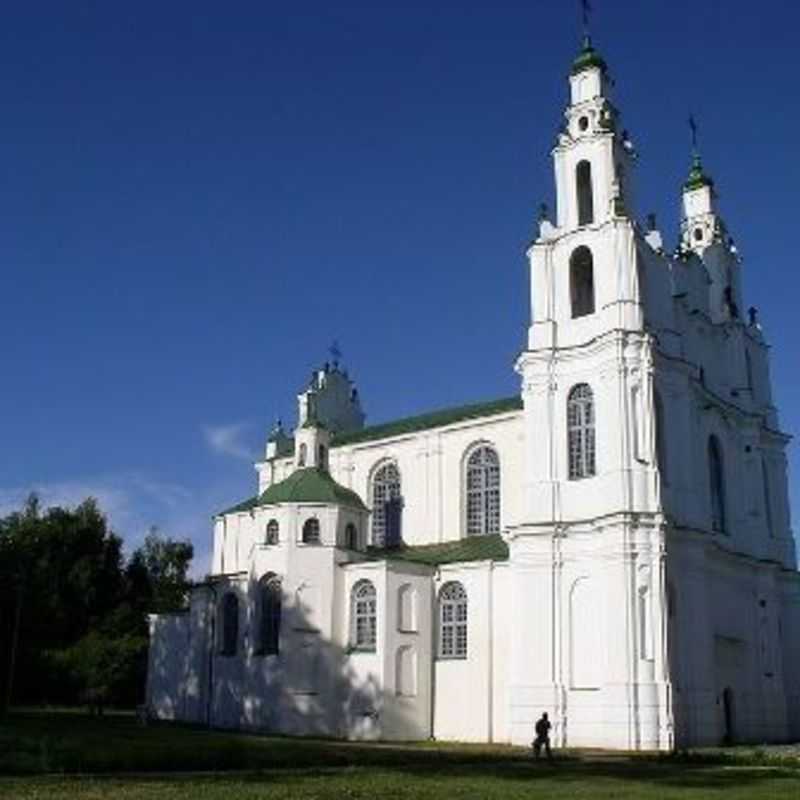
(197, 198)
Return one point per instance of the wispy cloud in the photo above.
(229, 440)
(132, 503)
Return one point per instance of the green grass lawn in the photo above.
(240, 766)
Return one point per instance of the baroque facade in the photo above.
(612, 546)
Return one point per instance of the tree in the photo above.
(163, 565)
(73, 611)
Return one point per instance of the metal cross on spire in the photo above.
(693, 128)
(586, 10)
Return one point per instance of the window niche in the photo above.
(229, 639)
(270, 608)
(584, 193)
(351, 536)
(716, 480)
(581, 282)
(311, 533)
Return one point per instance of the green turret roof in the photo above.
(697, 177)
(588, 57)
(307, 485)
(310, 485)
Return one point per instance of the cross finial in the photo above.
(586, 10)
(693, 129)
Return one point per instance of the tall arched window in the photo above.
(580, 432)
(452, 621)
(387, 506)
(230, 624)
(363, 616)
(323, 457)
(583, 189)
(748, 366)
(767, 496)
(581, 282)
(483, 491)
(270, 603)
(273, 532)
(661, 443)
(302, 456)
(311, 531)
(716, 480)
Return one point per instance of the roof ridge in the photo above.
(429, 419)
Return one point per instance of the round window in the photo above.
(583, 124)
(698, 234)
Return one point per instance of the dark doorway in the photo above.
(727, 710)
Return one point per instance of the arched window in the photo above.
(270, 602)
(748, 365)
(351, 536)
(273, 532)
(323, 457)
(580, 432)
(581, 282)
(661, 443)
(230, 624)
(452, 621)
(303, 455)
(311, 531)
(483, 492)
(716, 480)
(583, 188)
(363, 616)
(387, 506)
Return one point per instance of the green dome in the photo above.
(697, 178)
(588, 57)
(310, 485)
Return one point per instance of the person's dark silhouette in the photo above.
(542, 737)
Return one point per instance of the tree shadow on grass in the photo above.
(117, 746)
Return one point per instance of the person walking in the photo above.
(542, 739)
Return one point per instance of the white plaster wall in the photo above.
(453, 717)
(431, 465)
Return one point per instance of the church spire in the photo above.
(588, 56)
(702, 225)
(697, 177)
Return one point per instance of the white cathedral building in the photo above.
(612, 545)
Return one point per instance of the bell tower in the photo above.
(592, 157)
(587, 554)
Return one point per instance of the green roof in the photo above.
(473, 548)
(245, 505)
(588, 57)
(433, 419)
(310, 485)
(697, 177)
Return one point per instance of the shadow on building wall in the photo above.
(312, 686)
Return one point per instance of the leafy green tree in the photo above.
(73, 612)
(161, 565)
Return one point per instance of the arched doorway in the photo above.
(728, 716)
